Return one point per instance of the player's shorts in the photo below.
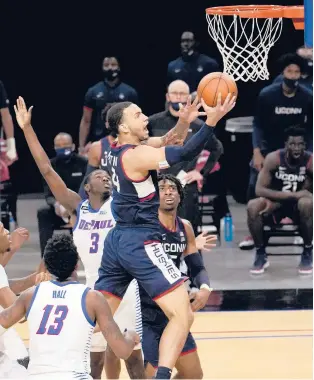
(287, 209)
(13, 345)
(150, 343)
(136, 252)
(10, 369)
(128, 316)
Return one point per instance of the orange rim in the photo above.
(258, 11)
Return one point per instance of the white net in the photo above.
(244, 44)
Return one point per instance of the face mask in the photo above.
(175, 105)
(63, 152)
(111, 74)
(291, 83)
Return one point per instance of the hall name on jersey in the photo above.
(95, 224)
(59, 293)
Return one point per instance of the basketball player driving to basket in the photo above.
(133, 248)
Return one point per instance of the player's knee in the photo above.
(305, 205)
(255, 206)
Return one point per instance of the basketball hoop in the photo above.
(244, 35)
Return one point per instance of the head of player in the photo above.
(291, 65)
(127, 121)
(61, 257)
(98, 185)
(294, 143)
(170, 192)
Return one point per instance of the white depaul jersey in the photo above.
(60, 330)
(89, 233)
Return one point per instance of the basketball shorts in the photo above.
(10, 369)
(136, 252)
(150, 343)
(287, 209)
(128, 316)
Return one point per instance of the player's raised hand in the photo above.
(42, 277)
(18, 238)
(214, 114)
(190, 111)
(23, 116)
(205, 241)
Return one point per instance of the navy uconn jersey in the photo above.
(134, 202)
(291, 178)
(174, 244)
(105, 147)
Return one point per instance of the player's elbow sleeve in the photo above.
(192, 148)
(197, 269)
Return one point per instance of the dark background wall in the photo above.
(51, 52)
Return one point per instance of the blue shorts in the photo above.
(136, 252)
(150, 343)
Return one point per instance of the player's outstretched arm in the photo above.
(68, 198)
(264, 180)
(177, 135)
(16, 312)
(122, 346)
(144, 157)
(198, 273)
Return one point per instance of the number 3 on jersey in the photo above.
(60, 312)
(115, 180)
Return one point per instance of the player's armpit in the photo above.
(66, 197)
(110, 330)
(14, 313)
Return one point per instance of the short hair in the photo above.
(88, 177)
(178, 184)
(293, 131)
(61, 256)
(292, 59)
(115, 115)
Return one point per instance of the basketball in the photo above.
(214, 83)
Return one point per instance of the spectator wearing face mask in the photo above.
(306, 78)
(186, 171)
(279, 106)
(99, 97)
(191, 66)
(71, 168)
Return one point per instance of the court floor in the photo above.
(250, 344)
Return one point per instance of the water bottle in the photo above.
(228, 227)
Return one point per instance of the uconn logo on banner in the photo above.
(95, 224)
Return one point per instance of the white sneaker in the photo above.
(247, 243)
